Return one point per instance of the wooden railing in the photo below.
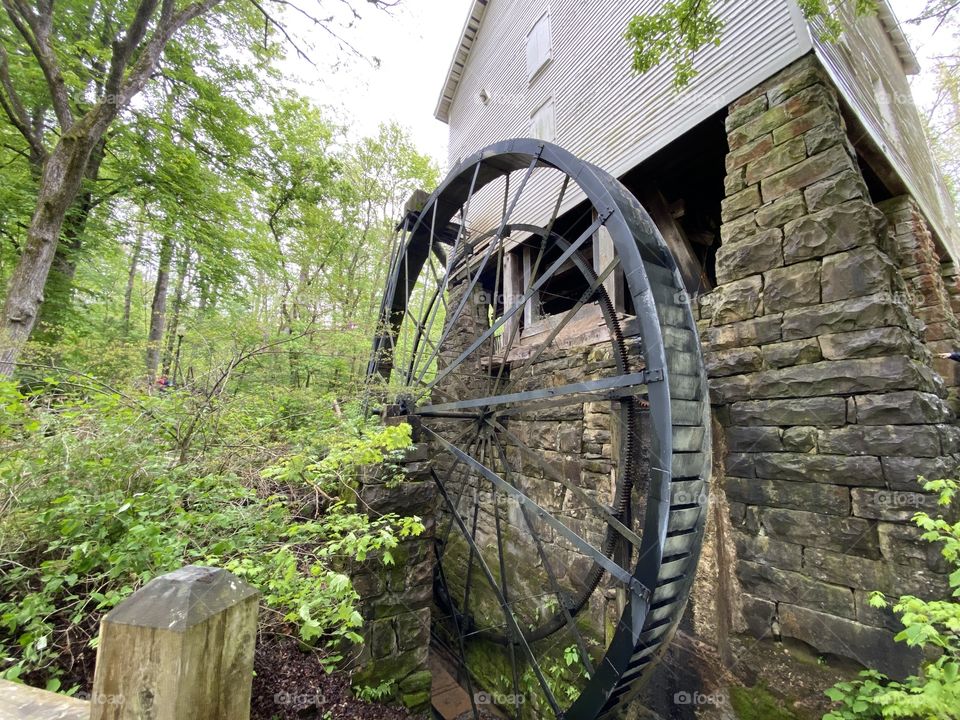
(180, 647)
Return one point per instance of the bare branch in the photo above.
(322, 23)
(13, 106)
(123, 49)
(937, 10)
(270, 20)
(34, 27)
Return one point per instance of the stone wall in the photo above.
(927, 293)
(821, 380)
(395, 599)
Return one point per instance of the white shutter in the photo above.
(539, 46)
(543, 124)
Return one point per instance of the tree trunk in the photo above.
(182, 265)
(158, 309)
(58, 291)
(131, 279)
(59, 183)
(64, 169)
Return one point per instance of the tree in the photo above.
(680, 28)
(65, 78)
(137, 49)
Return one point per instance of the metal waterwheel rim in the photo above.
(658, 572)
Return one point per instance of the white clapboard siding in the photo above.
(604, 112)
(882, 102)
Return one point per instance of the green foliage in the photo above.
(932, 626)
(678, 29)
(369, 693)
(675, 32)
(94, 502)
(330, 468)
(565, 675)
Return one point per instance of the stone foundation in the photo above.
(395, 599)
(820, 375)
(928, 295)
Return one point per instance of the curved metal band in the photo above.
(642, 251)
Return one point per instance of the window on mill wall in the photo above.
(539, 46)
(543, 124)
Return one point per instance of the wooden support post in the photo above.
(530, 308)
(181, 647)
(603, 254)
(694, 277)
(512, 291)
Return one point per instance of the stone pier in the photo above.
(395, 599)
(821, 377)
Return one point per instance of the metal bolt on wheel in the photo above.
(553, 360)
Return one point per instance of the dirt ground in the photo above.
(291, 685)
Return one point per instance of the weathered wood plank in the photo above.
(21, 702)
(181, 647)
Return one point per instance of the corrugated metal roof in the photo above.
(459, 61)
(479, 7)
(890, 23)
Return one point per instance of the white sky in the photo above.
(927, 45)
(415, 42)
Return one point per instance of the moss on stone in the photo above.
(758, 703)
(417, 701)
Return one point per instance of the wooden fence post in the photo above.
(181, 647)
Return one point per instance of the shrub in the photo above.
(933, 626)
(95, 501)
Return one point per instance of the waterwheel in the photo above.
(536, 324)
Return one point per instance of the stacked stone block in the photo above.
(927, 291)
(395, 599)
(818, 372)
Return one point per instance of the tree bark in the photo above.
(158, 309)
(58, 292)
(174, 326)
(59, 183)
(136, 54)
(131, 279)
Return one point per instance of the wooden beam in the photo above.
(180, 647)
(603, 255)
(512, 291)
(22, 702)
(694, 277)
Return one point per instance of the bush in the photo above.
(933, 626)
(95, 501)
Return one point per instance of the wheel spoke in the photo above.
(452, 258)
(494, 242)
(582, 545)
(463, 487)
(575, 489)
(487, 334)
(507, 613)
(587, 391)
(547, 565)
(460, 638)
(570, 314)
(506, 598)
